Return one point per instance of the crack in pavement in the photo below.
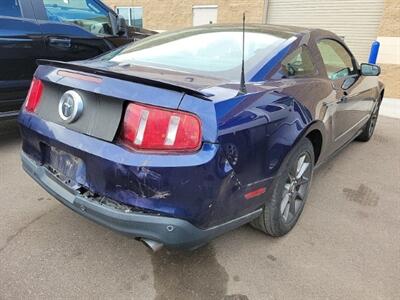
(23, 228)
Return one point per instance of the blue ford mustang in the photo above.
(163, 141)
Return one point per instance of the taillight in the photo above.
(34, 94)
(157, 129)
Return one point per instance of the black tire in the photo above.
(272, 221)
(369, 128)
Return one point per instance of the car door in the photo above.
(20, 44)
(353, 98)
(74, 30)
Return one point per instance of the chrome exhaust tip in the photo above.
(153, 245)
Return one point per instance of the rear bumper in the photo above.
(172, 232)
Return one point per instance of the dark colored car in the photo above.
(52, 29)
(163, 141)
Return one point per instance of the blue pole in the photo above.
(373, 55)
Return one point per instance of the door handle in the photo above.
(60, 42)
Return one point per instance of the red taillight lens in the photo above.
(157, 129)
(34, 94)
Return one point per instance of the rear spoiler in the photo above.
(131, 78)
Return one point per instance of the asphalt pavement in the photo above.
(345, 246)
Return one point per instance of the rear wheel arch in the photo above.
(316, 139)
(316, 133)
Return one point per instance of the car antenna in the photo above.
(243, 89)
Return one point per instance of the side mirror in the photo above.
(122, 26)
(370, 70)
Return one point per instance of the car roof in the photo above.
(281, 30)
(292, 30)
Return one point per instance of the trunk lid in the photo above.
(104, 98)
(100, 116)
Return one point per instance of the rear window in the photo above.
(10, 8)
(208, 51)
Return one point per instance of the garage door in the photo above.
(204, 14)
(357, 21)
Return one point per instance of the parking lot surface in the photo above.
(345, 246)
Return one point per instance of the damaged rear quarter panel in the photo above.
(256, 132)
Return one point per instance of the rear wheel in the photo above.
(290, 192)
(369, 128)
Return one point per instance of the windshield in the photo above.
(209, 50)
(88, 14)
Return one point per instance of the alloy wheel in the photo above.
(296, 187)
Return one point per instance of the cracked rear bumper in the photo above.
(172, 232)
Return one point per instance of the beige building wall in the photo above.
(175, 14)
(389, 53)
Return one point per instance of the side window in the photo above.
(338, 62)
(84, 13)
(132, 15)
(10, 8)
(298, 64)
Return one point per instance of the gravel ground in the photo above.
(346, 245)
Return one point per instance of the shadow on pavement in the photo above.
(190, 275)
